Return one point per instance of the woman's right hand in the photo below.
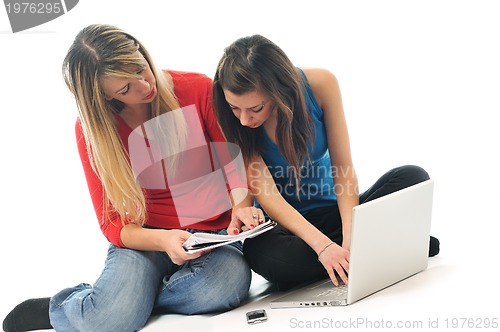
(168, 240)
(172, 242)
(335, 259)
(245, 218)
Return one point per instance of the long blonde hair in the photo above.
(100, 51)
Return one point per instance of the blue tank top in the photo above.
(316, 182)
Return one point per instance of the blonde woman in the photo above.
(117, 88)
(289, 123)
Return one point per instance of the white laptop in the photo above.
(389, 242)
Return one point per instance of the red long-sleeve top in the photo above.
(162, 208)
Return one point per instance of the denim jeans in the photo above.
(135, 283)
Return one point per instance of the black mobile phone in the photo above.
(256, 316)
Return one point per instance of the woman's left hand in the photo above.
(244, 218)
(335, 259)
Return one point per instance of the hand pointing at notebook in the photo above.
(243, 219)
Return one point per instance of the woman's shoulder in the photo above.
(318, 76)
(321, 81)
(187, 77)
(190, 87)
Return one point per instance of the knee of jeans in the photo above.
(237, 275)
(232, 287)
(238, 285)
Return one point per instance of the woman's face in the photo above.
(251, 108)
(131, 91)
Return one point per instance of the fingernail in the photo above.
(252, 226)
(235, 232)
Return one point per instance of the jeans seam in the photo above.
(194, 273)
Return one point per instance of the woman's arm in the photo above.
(170, 241)
(111, 223)
(265, 191)
(327, 92)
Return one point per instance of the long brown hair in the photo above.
(255, 63)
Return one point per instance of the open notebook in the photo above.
(204, 241)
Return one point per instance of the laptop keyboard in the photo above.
(339, 291)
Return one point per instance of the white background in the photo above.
(420, 83)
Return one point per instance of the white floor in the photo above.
(420, 83)
(450, 293)
(427, 300)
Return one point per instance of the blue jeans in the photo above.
(134, 283)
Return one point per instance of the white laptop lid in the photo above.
(389, 242)
(389, 239)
